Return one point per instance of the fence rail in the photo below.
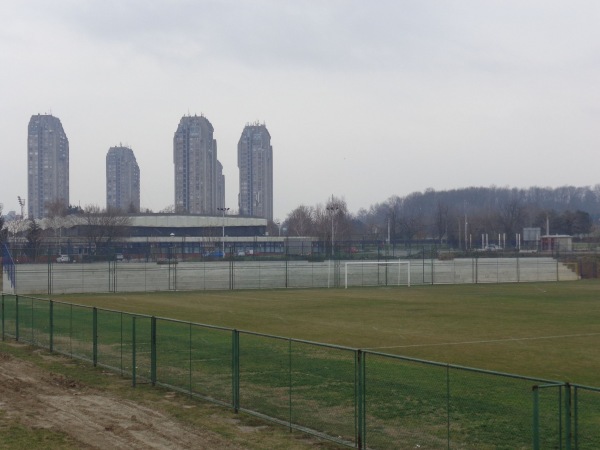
(117, 276)
(362, 399)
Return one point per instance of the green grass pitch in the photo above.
(546, 330)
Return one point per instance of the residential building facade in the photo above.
(255, 163)
(47, 166)
(199, 180)
(220, 187)
(122, 180)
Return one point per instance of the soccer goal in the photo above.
(377, 273)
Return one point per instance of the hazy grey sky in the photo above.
(363, 99)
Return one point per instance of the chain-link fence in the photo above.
(362, 399)
(119, 276)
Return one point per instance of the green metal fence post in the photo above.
(575, 419)
(3, 338)
(448, 405)
(175, 276)
(190, 348)
(361, 401)
(153, 350)
(32, 325)
(133, 355)
(235, 369)
(109, 278)
(560, 416)
(49, 272)
(568, 436)
(290, 381)
(121, 344)
(51, 319)
(95, 336)
(536, 417)
(17, 318)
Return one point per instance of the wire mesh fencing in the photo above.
(117, 276)
(361, 399)
(585, 404)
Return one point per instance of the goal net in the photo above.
(377, 273)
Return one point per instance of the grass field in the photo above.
(547, 330)
(542, 330)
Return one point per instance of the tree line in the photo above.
(457, 217)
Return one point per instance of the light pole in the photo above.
(223, 211)
(278, 223)
(332, 210)
(22, 205)
(171, 248)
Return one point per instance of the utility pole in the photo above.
(223, 210)
(332, 210)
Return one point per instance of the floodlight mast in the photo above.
(278, 223)
(22, 204)
(332, 209)
(223, 210)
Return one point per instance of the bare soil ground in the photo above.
(94, 419)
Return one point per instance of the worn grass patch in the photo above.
(241, 430)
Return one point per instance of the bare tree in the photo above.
(104, 226)
(301, 221)
(394, 204)
(34, 235)
(511, 216)
(371, 221)
(169, 209)
(441, 221)
(411, 218)
(333, 223)
(56, 218)
(15, 227)
(273, 227)
(342, 220)
(56, 208)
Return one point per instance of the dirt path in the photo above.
(97, 420)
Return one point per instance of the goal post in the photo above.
(369, 271)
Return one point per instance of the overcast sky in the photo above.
(363, 99)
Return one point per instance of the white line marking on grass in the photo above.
(487, 341)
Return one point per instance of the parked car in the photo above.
(119, 256)
(63, 259)
(493, 248)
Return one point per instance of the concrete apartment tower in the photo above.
(122, 180)
(255, 161)
(220, 186)
(47, 165)
(199, 180)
